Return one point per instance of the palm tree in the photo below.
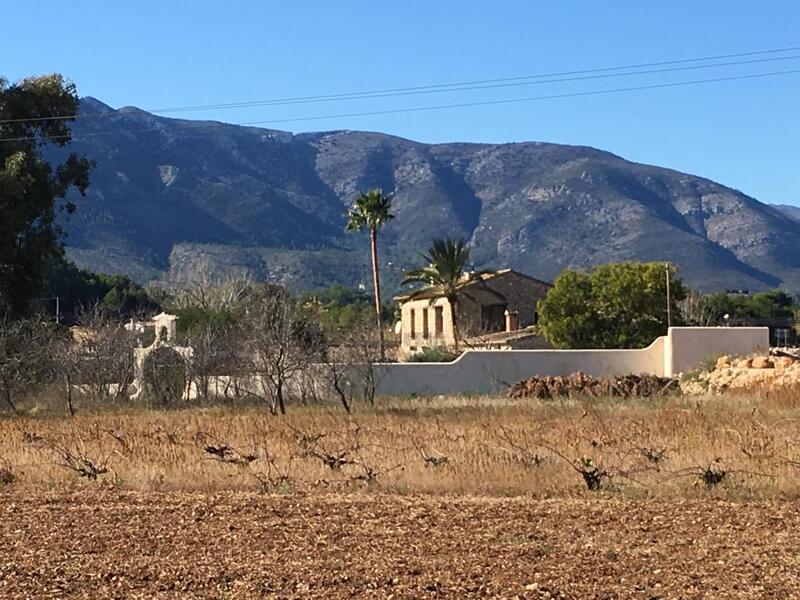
(371, 210)
(446, 260)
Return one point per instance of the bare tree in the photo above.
(68, 360)
(24, 357)
(351, 365)
(214, 354)
(694, 310)
(278, 341)
(205, 293)
(104, 364)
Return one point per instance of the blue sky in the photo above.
(184, 53)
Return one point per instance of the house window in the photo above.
(438, 321)
(413, 318)
(425, 323)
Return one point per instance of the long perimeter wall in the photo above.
(491, 371)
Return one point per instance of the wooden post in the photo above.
(669, 303)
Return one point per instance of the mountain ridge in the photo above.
(178, 200)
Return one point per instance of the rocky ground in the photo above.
(731, 374)
(106, 544)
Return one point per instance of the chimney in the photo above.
(512, 320)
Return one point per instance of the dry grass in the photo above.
(746, 447)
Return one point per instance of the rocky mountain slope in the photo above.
(793, 212)
(181, 200)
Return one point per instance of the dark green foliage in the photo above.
(433, 354)
(78, 289)
(340, 308)
(193, 319)
(621, 305)
(370, 211)
(763, 305)
(32, 191)
(446, 260)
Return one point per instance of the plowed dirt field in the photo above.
(110, 544)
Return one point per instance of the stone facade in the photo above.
(486, 303)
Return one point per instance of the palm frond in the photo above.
(427, 275)
(370, 210)
(446, 260)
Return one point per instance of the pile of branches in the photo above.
(581, 384)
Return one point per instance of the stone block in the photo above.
(762, 362)
(723, 362)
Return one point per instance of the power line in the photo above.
(513, 84)
(440, 106)
(564, 76)
(468, 83)
(526, 99)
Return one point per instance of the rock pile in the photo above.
(744, 374)
(581, 384)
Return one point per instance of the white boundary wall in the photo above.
(490, 371)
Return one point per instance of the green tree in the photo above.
(766, 305)
(79, 289)
(34, 114)
(446, 260)
(370, 211)
(714, 307)
(340, 309)
(622, 305)
(762, 305)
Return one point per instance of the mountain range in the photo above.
(181, 201)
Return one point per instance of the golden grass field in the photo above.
(445, 497)
(747, 446)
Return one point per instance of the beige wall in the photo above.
(492, 371)
(425, 312)
(688, 347)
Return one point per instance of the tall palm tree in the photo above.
(371, 210)
(446, 260)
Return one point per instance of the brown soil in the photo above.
(110, 544)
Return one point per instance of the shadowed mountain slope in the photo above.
(181, 200)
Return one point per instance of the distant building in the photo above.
(503, 301)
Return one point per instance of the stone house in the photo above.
(504, 300)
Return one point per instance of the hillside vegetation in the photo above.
(187, 200)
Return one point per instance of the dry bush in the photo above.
(350, 365)
(489, 446)
(278, 344)
(100, 364)
(25, 358)
(214, 352)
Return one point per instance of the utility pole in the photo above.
(669, 298)
(58, 307)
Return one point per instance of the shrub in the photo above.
(434, 354)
